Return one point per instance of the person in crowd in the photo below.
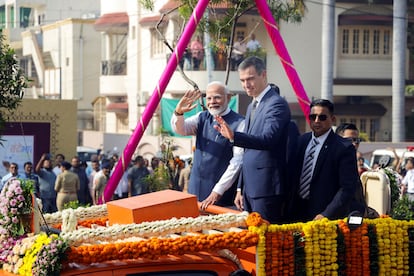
(197, 52)
(136, 178)
(408, 180)
(90, 169)
(155, 162)
(361, 165)
(326, 177)
(30, 175)
(262, 182)
(397, 161)
(84, 195)
(350, 132)
(67, 186)
(5, 168)
(184, 179)
(59, 158)
(13, 173)
(253, 44)
(238, 52)
(47, 179)
(96, 167)
(100, 181)
(121, 191)
(216, 162)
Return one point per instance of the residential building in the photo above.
(57, 46)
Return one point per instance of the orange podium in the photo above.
(153, 206)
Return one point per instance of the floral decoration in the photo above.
(15, 202)
(155, 247)
(49, 258)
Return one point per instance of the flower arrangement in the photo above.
(378, 247)
(15, 202)
(50, 256)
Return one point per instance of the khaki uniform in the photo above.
(67, 184)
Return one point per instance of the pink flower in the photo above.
(13, 202)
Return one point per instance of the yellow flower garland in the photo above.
(321, 247)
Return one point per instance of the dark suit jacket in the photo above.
(334, 179)
(264, 159)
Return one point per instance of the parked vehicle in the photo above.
(386, 157)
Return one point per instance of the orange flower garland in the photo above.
(155, 247)
(357, 249)
(254, 219)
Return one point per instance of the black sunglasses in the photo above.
(321, 117)
(354, 140)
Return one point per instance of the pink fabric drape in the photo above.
(284, 56)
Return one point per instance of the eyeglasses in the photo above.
(354, 140)
(321, 117)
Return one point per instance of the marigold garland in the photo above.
(378, 247)
(155, 247)
(254, 219)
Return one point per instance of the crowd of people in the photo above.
(58, 183)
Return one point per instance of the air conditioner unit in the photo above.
(386, 135)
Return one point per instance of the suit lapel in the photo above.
(302, 151)
(259, 108)
(324, 152)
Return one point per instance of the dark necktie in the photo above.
(252, 113)
(306, 176)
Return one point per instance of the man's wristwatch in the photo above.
(178, 114)
(231, 141)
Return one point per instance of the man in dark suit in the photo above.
(262, 182)
(330, 168)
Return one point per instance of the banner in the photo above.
(168, 107)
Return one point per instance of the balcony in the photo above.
(113, 68)
(219, 60)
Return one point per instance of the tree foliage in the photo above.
(12, 80)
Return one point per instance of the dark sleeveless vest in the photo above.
(211, 157)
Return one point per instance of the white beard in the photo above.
(216, 112)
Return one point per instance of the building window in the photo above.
(99, 114)
(122, 122)
(355, 42)
(365, 41)
(345, 42)
(157, 45)
(366, 125)
(373, 129)
(375, 47)
(387, 42)
(363, 125)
